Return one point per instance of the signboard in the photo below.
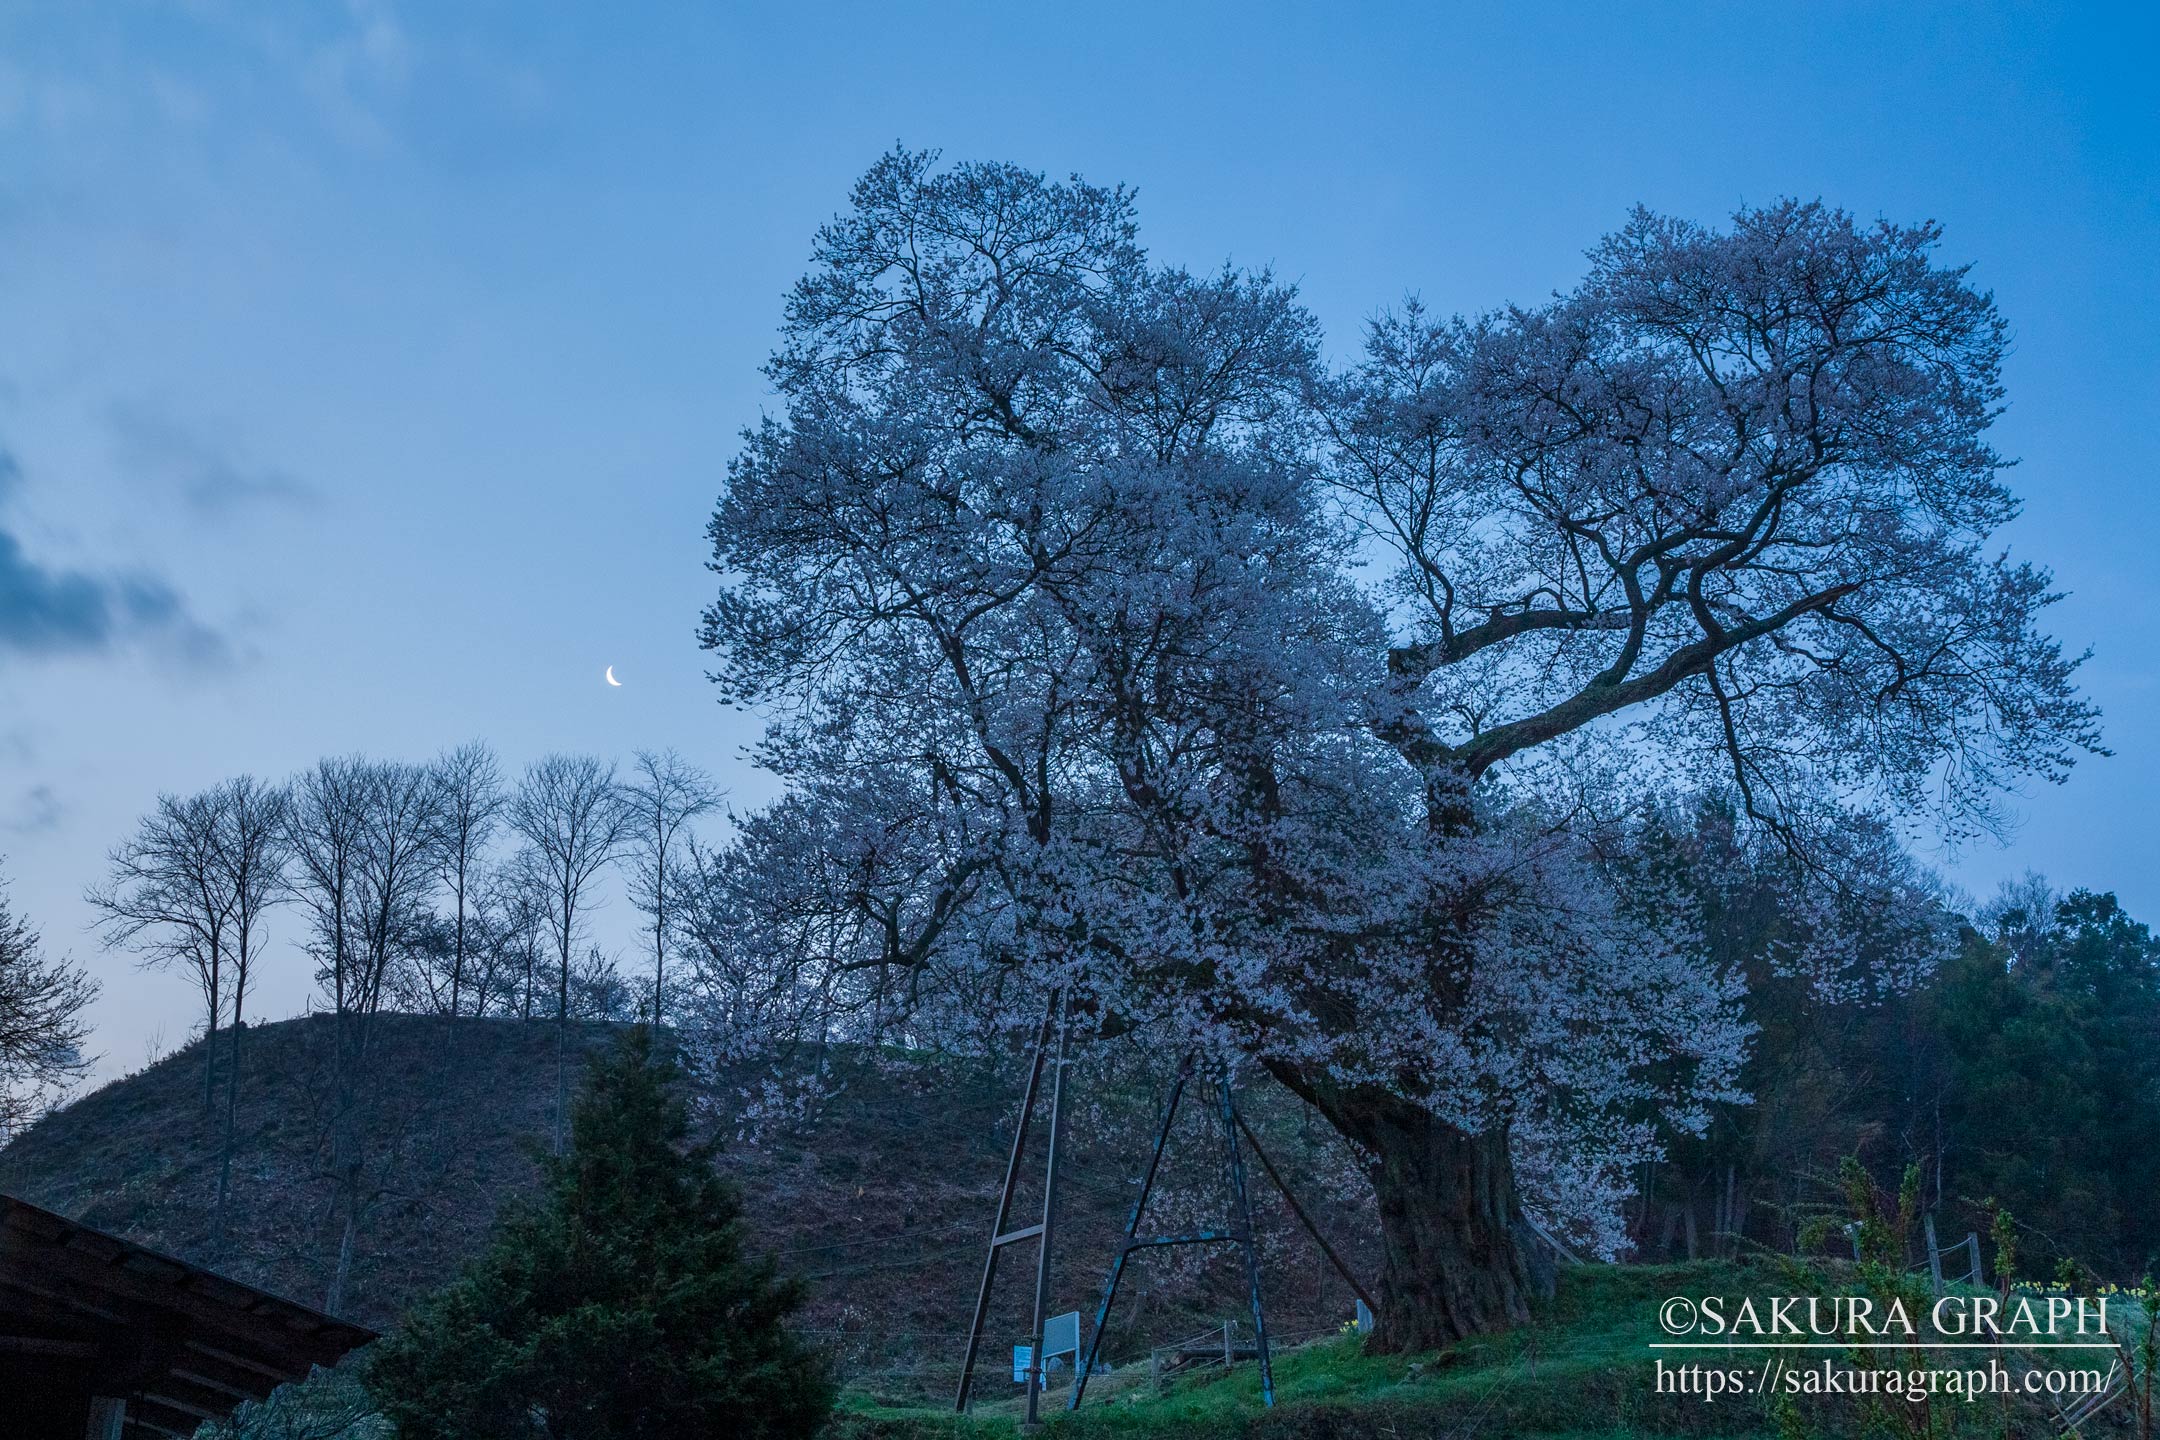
(1061, 1335)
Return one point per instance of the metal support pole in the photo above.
(1303, 1218)
(1240, 1232)
(999, 1238)
(1049, 1215)
(1132, 1232)
(1241, 1216)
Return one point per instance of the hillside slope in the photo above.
(881, 1200)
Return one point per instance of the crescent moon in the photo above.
(611, 677)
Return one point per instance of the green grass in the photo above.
(1582, 1369)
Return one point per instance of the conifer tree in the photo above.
(626, 1304)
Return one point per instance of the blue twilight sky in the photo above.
(367, 370)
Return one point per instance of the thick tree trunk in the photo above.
(1451, 1264)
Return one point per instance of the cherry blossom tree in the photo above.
(1053, 578)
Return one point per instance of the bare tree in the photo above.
(419, 983)
(472, 800)
(42, 1029)
(571, 812)
(166, 898)
(323, 826)
(517, 896)
(249, 850)
(598, 990)
(367, 837)
(491, 978)
(665, 793)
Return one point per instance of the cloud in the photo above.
(211, 479)
(50, 610)
(36, 810)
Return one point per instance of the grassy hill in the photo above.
(881, 1198)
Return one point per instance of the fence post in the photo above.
(1934, 1255)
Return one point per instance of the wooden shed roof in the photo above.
(86, 1312)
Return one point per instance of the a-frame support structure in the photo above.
(1057, 1020)
(1240, 1232)
(1055, 1026)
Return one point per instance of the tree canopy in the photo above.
(626, 1305)
(1054, 579)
